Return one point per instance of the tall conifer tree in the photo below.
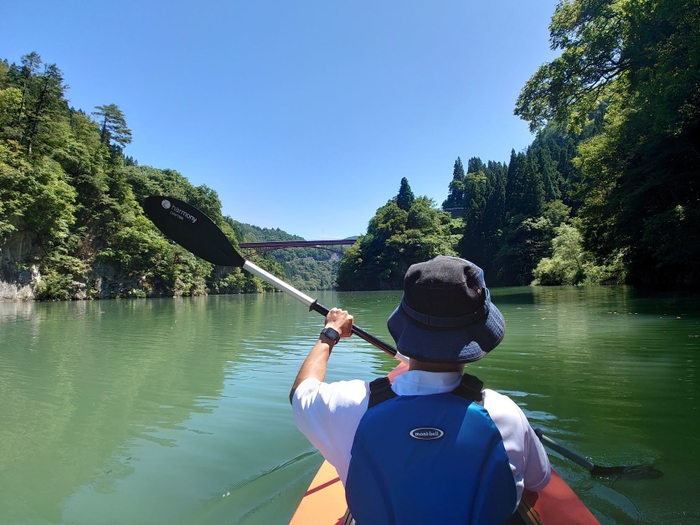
(405, 197)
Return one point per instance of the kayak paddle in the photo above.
(630, 472)
(196, 232)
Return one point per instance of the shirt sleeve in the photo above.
(328, 414)
(528, 458)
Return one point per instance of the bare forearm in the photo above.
(316, 362)
(314, 365)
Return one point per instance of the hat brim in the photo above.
(464, 345)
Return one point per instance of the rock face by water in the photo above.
(25, 282)
(15, 292)
(20, 284)
(22, 287)
(25, 287)
(21, 279)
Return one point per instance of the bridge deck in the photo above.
(296, 244)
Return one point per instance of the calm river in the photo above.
(176, 412)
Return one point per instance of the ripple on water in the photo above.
(117, 408)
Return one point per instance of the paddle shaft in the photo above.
(314, 305)
(278, 283)
(570, 454)
(192, 229)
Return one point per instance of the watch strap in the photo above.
(330, 333)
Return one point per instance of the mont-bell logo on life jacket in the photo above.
(426, 433)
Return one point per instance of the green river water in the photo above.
(175, 411)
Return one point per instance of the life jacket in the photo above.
(429, 459)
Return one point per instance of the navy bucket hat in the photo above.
(446, 314)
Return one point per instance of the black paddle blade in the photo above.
(192, 229)
(630, 472)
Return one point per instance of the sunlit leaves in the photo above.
(638, 63)
(590, 35)
(395, 239)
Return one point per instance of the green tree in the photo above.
(525, 191)
(113, 128)
(455, 197)
(35, 198)
(475, 165)
(525, 243)
(591, 36)
(30, 65)
(4, 68)
(10, 100)
(395, 239)
(566, 266)
(405, 198)
(44, 111)
(570, 264)
(477, 189)
(495, 212)
(637, 64)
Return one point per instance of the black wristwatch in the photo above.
(331, 334)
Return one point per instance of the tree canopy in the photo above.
(404, 231)
(638, 65)
(113, 128)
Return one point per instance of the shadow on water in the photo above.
(251, 501)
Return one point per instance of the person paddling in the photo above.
(434, 446)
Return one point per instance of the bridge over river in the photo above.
(262, 247)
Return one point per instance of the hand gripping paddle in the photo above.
(194, 231)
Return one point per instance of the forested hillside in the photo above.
(71, 226)
(405, 230)
(637, 64)
(304, 268)
(607, 192)
(518, 221)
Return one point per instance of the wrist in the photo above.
(330, 336)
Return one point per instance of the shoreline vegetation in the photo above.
(606, 193)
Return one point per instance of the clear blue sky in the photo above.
(301, 115)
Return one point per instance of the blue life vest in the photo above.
(429, 459)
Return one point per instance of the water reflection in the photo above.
(176, 411)
(89, 388)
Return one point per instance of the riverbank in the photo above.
(30, 285)
(10, 292)
(22, 288)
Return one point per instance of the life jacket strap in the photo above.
(380, 391)
(470, 388)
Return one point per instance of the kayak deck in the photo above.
(324, 503)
